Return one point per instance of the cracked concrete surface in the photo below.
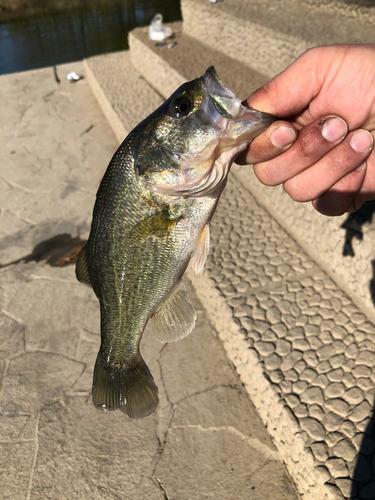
(204, 441)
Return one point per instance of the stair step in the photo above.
(166, 69)
(117, 86)
(267, 35)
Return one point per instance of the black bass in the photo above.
(151, 218)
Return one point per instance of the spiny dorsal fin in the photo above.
(82, 271)
(198, 259)
(176, 317)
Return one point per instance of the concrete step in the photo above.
(118, 86)
(304, 350)
(166, 69)
(267, 36)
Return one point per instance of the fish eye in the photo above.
(182, 106)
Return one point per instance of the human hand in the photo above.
(328, 95)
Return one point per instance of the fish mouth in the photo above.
(226, 112)
(223, 99)
(236, 127)
(239, 118)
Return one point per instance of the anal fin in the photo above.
(82, 272)
(199, 256)
(175, 319)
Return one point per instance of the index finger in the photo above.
(276, 139)
(291, 91)
(312, 144)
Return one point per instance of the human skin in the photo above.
(321, 149)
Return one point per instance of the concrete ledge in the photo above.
(324, 239)
(267, 36)
(105, 104)
(117, 87)
(166, 69)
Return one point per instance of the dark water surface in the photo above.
(71, 36)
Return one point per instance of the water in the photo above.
(71, 36)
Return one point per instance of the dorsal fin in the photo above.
(82, 271)
(199, 256)
(175, 319)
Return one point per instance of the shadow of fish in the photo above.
(151, 218)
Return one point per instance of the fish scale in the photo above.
(151, 217)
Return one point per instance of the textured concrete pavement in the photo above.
(204, 441)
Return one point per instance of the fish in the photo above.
(151, 218)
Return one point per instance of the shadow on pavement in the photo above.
(59, 250)
(363, 481)
(363, 484)
(353, 226)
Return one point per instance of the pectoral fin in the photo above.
(159, 224)
(198, 259)
(82, 272)
(175, 319)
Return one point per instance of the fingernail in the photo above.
(334, 128)
(362, 141)
(283, 137)
(362, 166)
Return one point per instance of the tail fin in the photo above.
(131, 389)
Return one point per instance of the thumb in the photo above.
(292, 90)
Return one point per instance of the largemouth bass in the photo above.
(151, 218)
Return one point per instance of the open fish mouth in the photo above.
(236, 126)
(224, 100)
